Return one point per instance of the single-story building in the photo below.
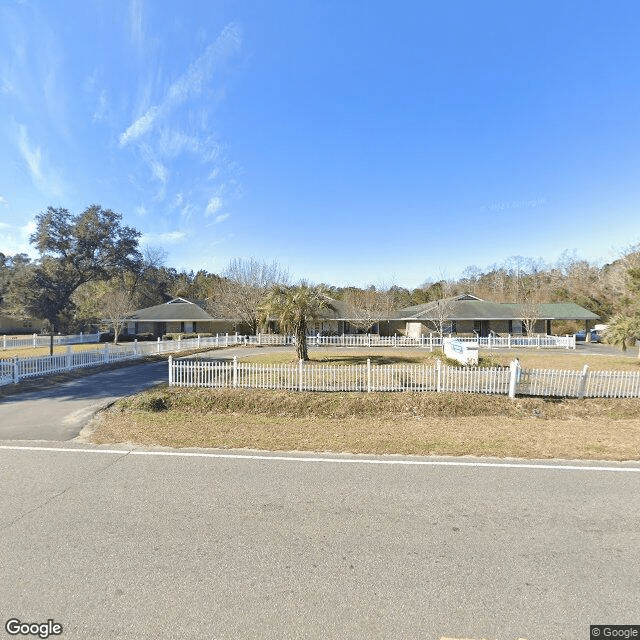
(176, 316)
(463, 314)
(467, 314)
(19, 325)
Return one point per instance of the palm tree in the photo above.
(623, 330)
(296, 307)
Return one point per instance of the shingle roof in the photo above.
(476, 309)
(176, 310)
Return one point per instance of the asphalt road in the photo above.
(129, 545)
(59, 413)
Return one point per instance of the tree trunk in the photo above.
(301, 343)
(51, 342)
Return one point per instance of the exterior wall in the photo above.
(9, 324)
(540, 326)
(464, 326)
(416, 329)
(198, 326)
(499, 326)
(216, 326)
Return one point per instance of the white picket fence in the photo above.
(35, 340)
(430, 341)
(16, 369)
(303, 376)
(317, 377)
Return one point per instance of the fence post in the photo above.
(179, 342)
(198, 341)
(583, 381)
(509, 340)
(235, 371)
(136, 349)
(368, 375)
(106, 352)
(226, 340)
(170, 370)
(35, 340)
(158, 343)
(343, 339)
(69, 358)
(514, 375)
(438, 374)
(259, 338)
(300, 374)
(394, 339)
(16, 370)
(431, 342)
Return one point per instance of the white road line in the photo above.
(375, 461)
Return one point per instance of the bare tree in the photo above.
(441, 313)
(243, 288)
(115, 304)
(369, 306)
(530, 312)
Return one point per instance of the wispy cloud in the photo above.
(214, 205)
(221, 218)
(101, 113)
(135, 23)
(32, 156)
(172, 143)
(169, 237)
(159, 170)
(15, 239)
(3, 200)
(47, 180)
(188, 85)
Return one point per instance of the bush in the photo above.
(127, 337)
(184, 336)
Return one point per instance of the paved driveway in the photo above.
(59, 413)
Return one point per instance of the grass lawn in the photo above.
(44, 351)
(376, 423)
(529, 359)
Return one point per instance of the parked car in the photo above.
(594, 335)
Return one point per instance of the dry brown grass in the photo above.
(529, 359)
(377, 423)
(44, 351)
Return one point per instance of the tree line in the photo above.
(90, 268)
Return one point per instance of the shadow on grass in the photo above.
(375, 359)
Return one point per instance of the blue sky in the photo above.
(354, 142)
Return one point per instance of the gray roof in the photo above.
(464, 307)
(176, 310)
(471, 308)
